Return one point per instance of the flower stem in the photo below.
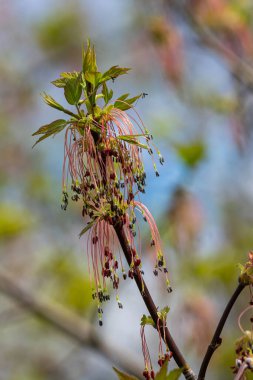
(146, 296)
(216, 341)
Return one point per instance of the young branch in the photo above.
(177, 355)
(216, 341)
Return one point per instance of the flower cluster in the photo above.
(103, 167)
(163, 357)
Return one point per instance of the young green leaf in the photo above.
(107, 94)
(147, 320)
(132, 140)
(89, 59)
(174, 374)
(88, 226)
(73, 90)
(162, 374)
(114, 72)
(61, 82)
(50, 129)
(124, 376)
(51, 102)
(125, 104)
(53, 127)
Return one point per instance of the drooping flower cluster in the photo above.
(163, 357)
(103, 166)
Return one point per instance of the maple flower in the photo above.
(103, 170)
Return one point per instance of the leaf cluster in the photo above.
(162, 374)
(83, 90)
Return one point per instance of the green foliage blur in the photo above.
(195, 62)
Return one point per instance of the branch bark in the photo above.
(78, 329)
(216, 340)
(146, 296)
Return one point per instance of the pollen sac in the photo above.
(169, 289)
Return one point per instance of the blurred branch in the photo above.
(243, 70)
(64, 320)
(216, 341)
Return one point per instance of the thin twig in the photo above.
(177, 355)
(77, 328)
(216, 341)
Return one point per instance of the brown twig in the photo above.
(216, 341)
(177, 355)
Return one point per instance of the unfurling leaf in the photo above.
(124, 376)
(173, 375)
(114, 72)
(132, 140)
(51, 102)
(88, 226)
(50, 129)
(89, 59)
(107, 94)
(53, 127)
(125, 104)
(65, 76)
(147, 320)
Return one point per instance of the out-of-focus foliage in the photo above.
(194, 59)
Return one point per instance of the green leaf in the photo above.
(88, 226)
(162, 374)
(114, 72)
(89, 59)
(163, 313)
(50, 129)
(51, 102)
(70, 74)
(53, 127)
(73, 90)
(132, 140)
(125, 104)
(124, 376)
(61, 82)
(191, 154)
(107, 94)
(93, 77)
(147, 320)
(175, 374)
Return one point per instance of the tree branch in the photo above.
(75, 327)
(216, 341)
(177, 355)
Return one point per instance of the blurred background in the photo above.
(194, 60)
